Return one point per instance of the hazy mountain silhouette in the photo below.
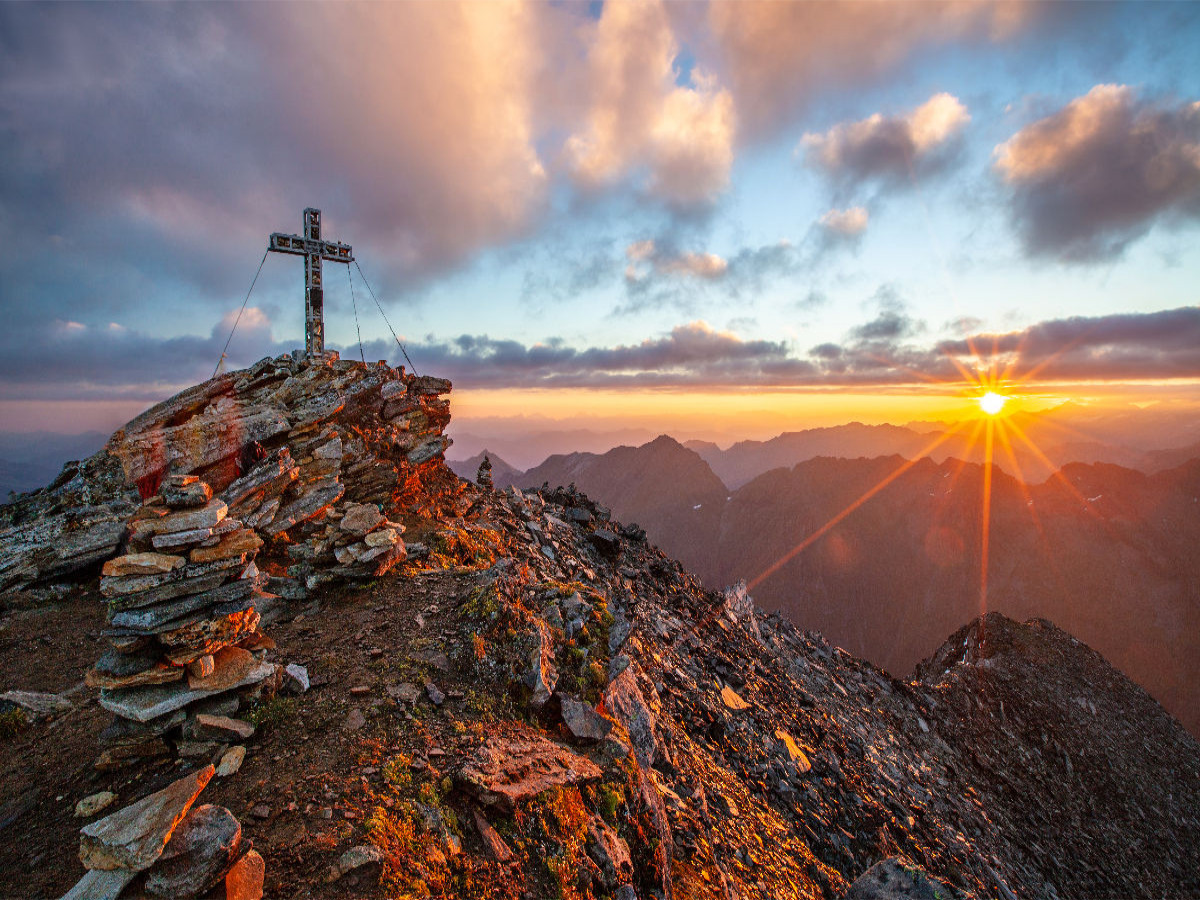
(30, 460)
(661, 482)
(1047, 445)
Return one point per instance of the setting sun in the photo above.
(991, 403)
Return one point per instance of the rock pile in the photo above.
(182, 626)
(179, 850)
(284, 444)
(354, 541)
(330, 540)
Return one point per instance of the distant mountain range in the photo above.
(1105, 551)
(30, 460)
(1046, 446)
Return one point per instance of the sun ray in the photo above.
(1026, 494)
(1036, 370)
(986, 530)
(828, 526)
(1056, 473)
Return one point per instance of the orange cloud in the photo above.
(645, 256)
(639, 117)
(850, 222)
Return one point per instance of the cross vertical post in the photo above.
(314, 249)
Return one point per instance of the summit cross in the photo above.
(313, 249)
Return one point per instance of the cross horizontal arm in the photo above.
(334, 251)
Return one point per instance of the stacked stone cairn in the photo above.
(182, 628)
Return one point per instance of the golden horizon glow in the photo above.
(992, 403)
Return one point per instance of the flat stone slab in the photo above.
(234, 544)
(145, 703)
(221, 728)
(230, 665)
(189, 495)
(37, 703)
(134, 837)
(184, 520)
(231, 761)
(794, 751)
(732, 700)
(142, 564)
(156, 674)
(361, 518)
(89, 806)
(166, 590)
(585, 725)
(384, 537)
(507, 771)
(181, 538)
(245, 880)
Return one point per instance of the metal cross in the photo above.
(313, 249)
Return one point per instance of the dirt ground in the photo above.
(316, 767)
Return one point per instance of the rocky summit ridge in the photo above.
(516, 697)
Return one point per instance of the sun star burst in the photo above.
(991, 403)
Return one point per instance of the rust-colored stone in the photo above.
(234, 544)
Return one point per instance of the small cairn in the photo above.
(182, 628)
(483, 476)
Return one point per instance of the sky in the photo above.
(715, 219)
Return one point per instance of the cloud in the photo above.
(646, 257)
(112, 362)
(846, 223)
(412, 125)
(778, 56)
(889, 325)
(1163, 344)
(888, 147)
(1098, 174)
(121, 364)
(640, 118)
(692, 354)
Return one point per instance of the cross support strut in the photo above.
(314, 250)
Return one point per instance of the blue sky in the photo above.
(556, 202)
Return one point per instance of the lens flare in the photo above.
(991, 403)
